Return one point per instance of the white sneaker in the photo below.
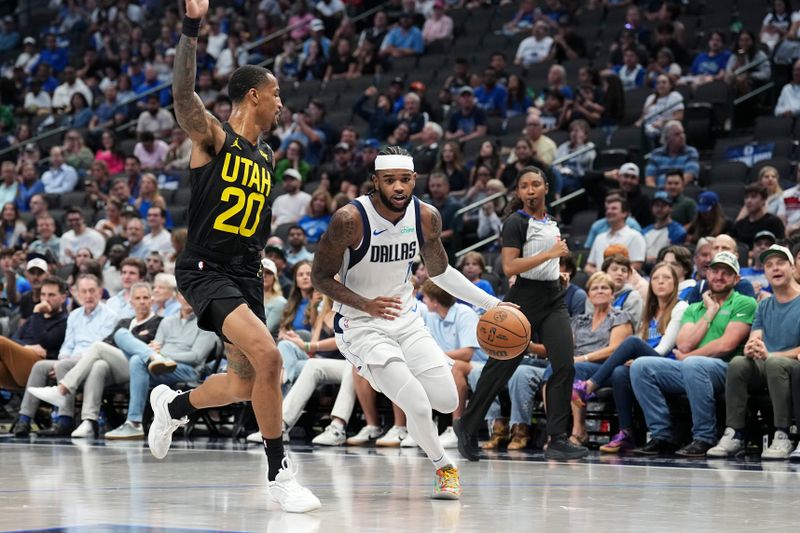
(795, 454)
(255, 438)
(126, 431)
(727, 446)
(159, 438)
(408, 442)
(367, 434)
(393, 437)
(332, 436)
(448, 438)
(49, 395)
(780, 448)
(285, 490)
(84, 431)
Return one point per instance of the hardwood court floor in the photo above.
(74, 485)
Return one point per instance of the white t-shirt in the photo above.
(631, 238)
(790, 208)
(90, 238)
(661, 109)
(290, 207)
(161, 243)
(531, 51)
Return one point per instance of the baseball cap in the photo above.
(130, 211)
(662, 196)
(629, 168)
(776, 249)
(317, 25)
(291, 173)
(29, 40)
(765, 234)
(269, 264)
(616, 249)
(372, 142)
(170, 52)
(37, 262)
(727, 259)
(277, 250)
(397, 80)
(706, 201)
(466, 89)
(342, 146)
(31, 147)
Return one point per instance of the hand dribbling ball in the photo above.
(504, 332)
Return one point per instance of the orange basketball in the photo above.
(504, 332)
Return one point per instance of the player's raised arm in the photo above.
(344, 232)
(204, 130)
(439, 269)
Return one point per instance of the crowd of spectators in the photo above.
(93, 214)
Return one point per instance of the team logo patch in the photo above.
(200, 265)
(345, 323)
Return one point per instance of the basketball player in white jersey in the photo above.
(371, 243)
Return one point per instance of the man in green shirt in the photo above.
(712, 332)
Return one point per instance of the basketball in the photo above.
(504, 332)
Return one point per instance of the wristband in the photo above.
(308, 347)
(191, 27)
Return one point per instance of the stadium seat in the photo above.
(178, 215)
(182, 196)
(579, 228)
(610, 159)
(634, 104)
(773, 128)
(698, 122)
(626, 138)
(730, 194)
(728, 172)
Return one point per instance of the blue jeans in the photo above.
(701, 378)
(293, 361)
(138, 354)
(522, 388)
(631, 348)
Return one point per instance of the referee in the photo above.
(532, 246)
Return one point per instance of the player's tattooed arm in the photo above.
(200, 125)
(433, 252)
(343, 232)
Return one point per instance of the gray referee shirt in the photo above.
(532, 237)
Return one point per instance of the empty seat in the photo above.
(773, 127)
(728, 172)
(627, 138)
(610, 159)
(730, 194)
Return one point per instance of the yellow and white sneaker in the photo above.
(448, 484)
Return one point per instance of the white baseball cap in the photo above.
(629, 168)
(37, 262)
(269, 264)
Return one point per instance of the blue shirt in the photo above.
(84, 330)
(23, 286)
(492, 101)
(171, 307)
(314, 226)
(661, 162)
(120, 305)
(601, 226)
(772, 317)
(458, 329)
(313, 150)
(299, 321)
(575, 299)
(466, 123)
(164, 96)
(60, 180)
(705, 64)
(399, 38)
(486, 287)
(57, 59)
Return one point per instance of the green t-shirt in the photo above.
(737, 308)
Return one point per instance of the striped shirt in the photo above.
(532, 236)
(661, 162)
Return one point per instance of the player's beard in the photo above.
(386, 201)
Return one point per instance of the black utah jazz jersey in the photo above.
(228, 212)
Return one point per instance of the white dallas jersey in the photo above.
(381, 264)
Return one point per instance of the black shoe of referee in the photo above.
(467, 443)
(561, 449)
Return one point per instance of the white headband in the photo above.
(386, 162)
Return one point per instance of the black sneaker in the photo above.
(57, 430)
(21, 429)
(561, 449)
(656, 447)
(467, 443)
(696, 448)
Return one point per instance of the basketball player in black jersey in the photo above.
(219, 272)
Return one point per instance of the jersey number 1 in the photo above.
(241, 200)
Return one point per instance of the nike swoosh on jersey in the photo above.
(376, 232)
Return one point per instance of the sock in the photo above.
(64, 420)
(24, 418)
(337, 424)
(180, 406)
(443, 461)
(275, 454)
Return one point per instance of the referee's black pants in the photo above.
(543, 303)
